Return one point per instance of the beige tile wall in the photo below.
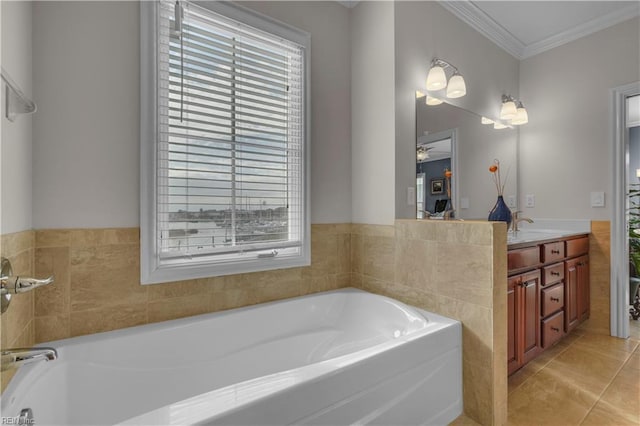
(599, 277)
(17, 324)
(456, 269)
(97, 285)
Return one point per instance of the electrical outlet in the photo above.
(597, 199)
(530, 200)
(511, 202)
(411, 196)
(464, 203)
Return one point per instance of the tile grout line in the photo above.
(605, 389)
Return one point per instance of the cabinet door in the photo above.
(571, 316)
(514, 359)
(582, 267)
(531, 314)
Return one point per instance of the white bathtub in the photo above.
(331, 358)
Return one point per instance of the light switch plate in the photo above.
(597, 199)
(464, 203)
(511, 201)
(411, 196)
(530, 200)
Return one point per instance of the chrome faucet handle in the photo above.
(10, 284)
(15, 285)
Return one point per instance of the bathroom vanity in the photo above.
(547, 292)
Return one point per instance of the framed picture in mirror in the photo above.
(437, 186)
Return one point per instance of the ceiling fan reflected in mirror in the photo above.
(424, 152)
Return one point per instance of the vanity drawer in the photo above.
(523, 258)
(552, 299)
(552, 329)
(553, 274)
(577, 247)
(552, 252)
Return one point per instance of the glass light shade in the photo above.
(486, 120)
(419, 94)
(436, 79)
(638, 173)
(499, 126)
(508, 110)
(521, 117)
(433, 101)
(456, 87)
(422, 154)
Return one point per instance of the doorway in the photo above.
(619, 322)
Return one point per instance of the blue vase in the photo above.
(500, 212)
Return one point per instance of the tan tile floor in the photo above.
(586, 379)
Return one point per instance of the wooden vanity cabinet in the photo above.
(547, 295)
(577, 291)
(523, 307)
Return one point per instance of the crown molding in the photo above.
(477, 19)
(582, 30)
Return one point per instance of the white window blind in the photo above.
(230, 149)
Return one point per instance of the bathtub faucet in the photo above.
(14, 358)
(10, 284)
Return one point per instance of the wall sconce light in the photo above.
(437, 79)
(513, 110)
(509, 109)
(521, 116)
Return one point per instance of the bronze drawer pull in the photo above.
(555, 299)
(555, 251)
(556, 329)
(557, 274)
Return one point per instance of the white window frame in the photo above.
(152, 270)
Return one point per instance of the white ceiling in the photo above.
(526, 28)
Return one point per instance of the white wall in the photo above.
(86, 131)
(565, 150)
(424, 30)
(86, 79)
(372, 114)
(16, 138)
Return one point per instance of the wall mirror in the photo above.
(451, 138)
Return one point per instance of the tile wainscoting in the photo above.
(98, 282)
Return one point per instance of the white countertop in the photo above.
(548, 229)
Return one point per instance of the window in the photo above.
(224, 147)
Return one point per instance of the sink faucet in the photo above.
(517, 219)
(14, 358)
